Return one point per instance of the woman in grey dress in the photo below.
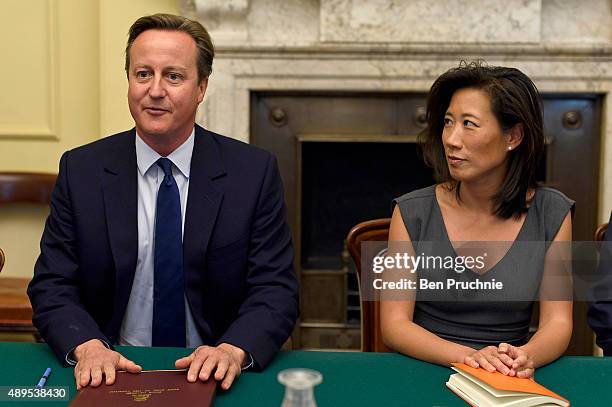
(483, 139)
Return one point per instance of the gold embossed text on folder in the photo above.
(150, 388)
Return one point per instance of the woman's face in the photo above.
(475, 145)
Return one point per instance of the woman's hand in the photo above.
(491, 359)
(522, 364)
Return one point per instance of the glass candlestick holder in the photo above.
(299, 387)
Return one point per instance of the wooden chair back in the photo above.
(18, 188)
(26, 187)
(600, 232)
(372, 230)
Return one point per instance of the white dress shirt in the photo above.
(137, 323)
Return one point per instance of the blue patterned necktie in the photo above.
(168, 285)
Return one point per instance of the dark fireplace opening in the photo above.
(344, 183)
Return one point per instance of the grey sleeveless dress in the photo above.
(478, 318)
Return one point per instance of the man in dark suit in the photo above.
(167, 234)
(600, 311)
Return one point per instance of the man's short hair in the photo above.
(206, 50)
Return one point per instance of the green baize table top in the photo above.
(349, 378)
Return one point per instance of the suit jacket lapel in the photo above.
(120, 190)
(203, 203)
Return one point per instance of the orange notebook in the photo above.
(481, 388)
(151, 388)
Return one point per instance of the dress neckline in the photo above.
(519, 236)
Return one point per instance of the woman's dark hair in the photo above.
(514, 100)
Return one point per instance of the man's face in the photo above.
(164, 91)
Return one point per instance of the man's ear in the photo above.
(514, 136)
(202, 89)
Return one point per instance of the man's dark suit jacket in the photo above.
(600, 312)
(238, 257)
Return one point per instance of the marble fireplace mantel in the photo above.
(400, 46)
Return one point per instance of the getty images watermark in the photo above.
(412, 264)
(483, 271)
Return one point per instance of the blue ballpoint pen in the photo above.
(44, 378)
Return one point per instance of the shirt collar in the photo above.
(180, 157)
